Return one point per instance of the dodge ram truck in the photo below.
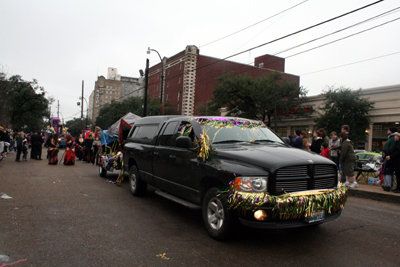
(233, 170)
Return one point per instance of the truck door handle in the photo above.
(172, 156)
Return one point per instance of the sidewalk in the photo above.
(374, 192)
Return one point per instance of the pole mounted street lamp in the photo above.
(162, 79)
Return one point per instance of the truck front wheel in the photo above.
(218, 219)
(136, 185)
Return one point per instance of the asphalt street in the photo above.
(70, 216)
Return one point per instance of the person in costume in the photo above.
(79, 146)
(69, 158)
(53, 150)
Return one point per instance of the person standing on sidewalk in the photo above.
(395, 158)
(334, 142)
(2, 137)
(388, 170)
(297, 141)
(305, 140)
(348, 157)
(20, 138)
(316, 142)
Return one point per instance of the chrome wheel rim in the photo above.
(101, 169)
(133, 181)
(215, 213)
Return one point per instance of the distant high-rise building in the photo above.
(114, 88)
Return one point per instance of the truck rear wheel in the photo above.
(136, 185)
(102, 171)
(217, 218)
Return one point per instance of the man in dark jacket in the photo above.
(297, 141)
(387, 148)
(395, 158)
(35, 140)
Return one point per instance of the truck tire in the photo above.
(136, 185)
(102, 171)
(218, 219)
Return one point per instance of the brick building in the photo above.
(189, 78)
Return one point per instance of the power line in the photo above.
(291, 34)
(337, 40)
(343, 29)
(253, 24)
(351, 63)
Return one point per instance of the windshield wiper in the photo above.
(229, 141)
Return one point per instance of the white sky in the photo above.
(61, 43)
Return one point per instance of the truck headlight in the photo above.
(251, 184)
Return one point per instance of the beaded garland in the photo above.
(289, 206)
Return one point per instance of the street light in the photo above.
(162, 79)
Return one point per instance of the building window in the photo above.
(168, 70)
(157, 88)
(177, 107)
(261, 65)
(179, 79)
(167, 83)
(166, 97)
(111, 87)
(180, 66)
(107, 86)
(179, 95)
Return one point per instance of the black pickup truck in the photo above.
(233, 169)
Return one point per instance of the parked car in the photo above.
(369, 157)
(61, 142)
(232, 169)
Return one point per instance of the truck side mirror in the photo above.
(286, 139)
(184, 142)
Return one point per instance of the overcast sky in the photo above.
(61, 43)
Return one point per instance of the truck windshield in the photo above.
(234, 130)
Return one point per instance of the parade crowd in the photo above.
(84, 147)
(340, 149)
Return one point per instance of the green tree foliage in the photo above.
(74, 126)
(345, 106)
(258, 97)
(26, 105)
(110, 113)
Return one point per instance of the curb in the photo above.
(375, 196)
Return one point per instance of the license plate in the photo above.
(316, 216)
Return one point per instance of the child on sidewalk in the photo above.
(24, 150)
(325, 150)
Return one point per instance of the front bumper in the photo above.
(284, 224)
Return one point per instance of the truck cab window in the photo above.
(166, 137)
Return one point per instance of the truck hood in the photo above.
(271, 157)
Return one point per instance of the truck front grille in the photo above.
(305, 177)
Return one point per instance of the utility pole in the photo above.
(58, 108)
(82, 107)
(146, 84)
